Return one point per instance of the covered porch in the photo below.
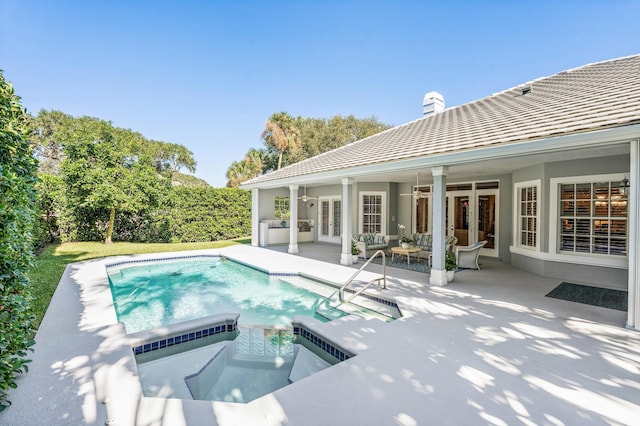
(546, 172)
(514, 201)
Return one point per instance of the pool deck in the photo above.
(489, 348)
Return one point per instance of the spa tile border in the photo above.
(321, 342)
(184, 338)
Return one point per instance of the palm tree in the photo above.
(236, 173)
(256, 158)
(281, 132)
(247, 168)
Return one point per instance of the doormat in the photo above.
(589, 295)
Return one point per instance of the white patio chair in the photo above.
(467, 256)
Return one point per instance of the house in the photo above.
(547, 172)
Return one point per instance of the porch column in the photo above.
(633, 309)
(293, 219)
(438, 272)
(345, 257)
(255, 217)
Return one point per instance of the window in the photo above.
(372, 212)
(593, 218)
(281, 205)
(527, 225)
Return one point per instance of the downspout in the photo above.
(633, 309)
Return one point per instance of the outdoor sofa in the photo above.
(425, 242)
(369, 243)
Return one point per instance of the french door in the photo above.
(330, 219)
(487, 220)
(460, 214)
(471, 214)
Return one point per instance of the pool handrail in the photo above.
(350, 280)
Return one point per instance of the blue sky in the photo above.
(208, 74)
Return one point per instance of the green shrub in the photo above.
(209, 214)
(17, 198)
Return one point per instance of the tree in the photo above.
(46, 139)
(317, 135)
(49, 205)
(18, 168)
(249, 167)
(171, 157)
(107, 168)
(320, 135)
(281, 132)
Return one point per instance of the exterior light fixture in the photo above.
(623, 186)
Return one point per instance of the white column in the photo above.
(293, 219)
(255, 217)
(438, 271)
(633, 309)
(345, 257)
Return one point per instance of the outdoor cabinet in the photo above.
(272, 232)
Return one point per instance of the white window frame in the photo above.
(383, 201)
(595, 259)
(282, 203)
(517, 201)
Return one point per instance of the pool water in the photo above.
(157, 294)
(257, 362)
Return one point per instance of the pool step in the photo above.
(334, 309)
(322, 289)
(387, 311)
(359, 306)
(329, 312)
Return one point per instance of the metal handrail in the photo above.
(350, 280)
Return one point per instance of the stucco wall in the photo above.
(612, 277)
(266, 201)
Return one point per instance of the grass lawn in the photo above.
(50, 264)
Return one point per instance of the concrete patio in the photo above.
(487, 349)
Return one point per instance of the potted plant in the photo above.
(282, 214)
(450, 265)
(355, 251)
(405, 241)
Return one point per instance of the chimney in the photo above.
(432, 103)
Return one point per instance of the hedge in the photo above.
(17, 198)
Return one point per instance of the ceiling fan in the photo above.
(416, 193)
(305, 197)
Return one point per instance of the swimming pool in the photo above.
(165, 303)
(156, 294)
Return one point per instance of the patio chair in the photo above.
(467, 256)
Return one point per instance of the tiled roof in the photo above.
(592, 97)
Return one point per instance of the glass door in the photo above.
(487, 209)
(330, 219)
(471, 214)
(459, 217)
